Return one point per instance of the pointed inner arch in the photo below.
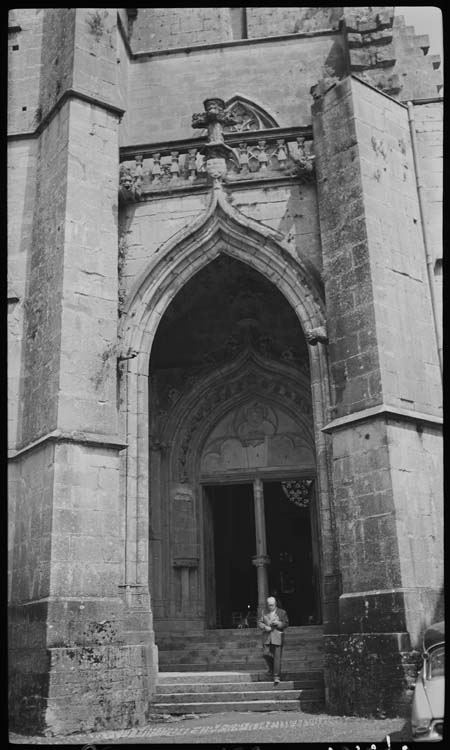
(227, 317)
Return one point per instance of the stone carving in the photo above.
(247, 117)
(316, 335)
(281, 153)
(298, 491)
(216, 152)
(256, 436)
(324, 85)
(253, 381)
(129, 354)
(129, 184)
(267, 158)
(254, 422)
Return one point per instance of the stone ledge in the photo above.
(143, 55)
(383, 410)
(67, 95)
(76, 436)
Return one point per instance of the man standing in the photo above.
(273, 623)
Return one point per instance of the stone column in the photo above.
(261, 560)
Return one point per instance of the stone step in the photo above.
(212, 692)
(244, 662)
(213, 678)
(226, 658)
(289, 645)
(217, 632)
(224, 706)
(306, 632)
(254, 637)
(243, 696)
(241, 637)
(254, 648)
(198, 686)
(287, 669)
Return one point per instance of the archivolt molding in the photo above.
(220, 229)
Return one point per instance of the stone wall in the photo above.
(408, 354)
(354, 358)
(429, 133)
(161, 88)
(168, 28)
(164, 28)
(87, 399)
(30, 553)
(123, 78)
(45, 271)
(384, 468)
(22, 157)
(24, 58)
(416, 467)
(374, 255)
(67, 547)
(96, 70)
(273, 20)
(292, 210)
(57, 57)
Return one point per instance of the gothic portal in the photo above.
(232, 454)
(225, 351)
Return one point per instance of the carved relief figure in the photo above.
(256, 436)
(254, 423)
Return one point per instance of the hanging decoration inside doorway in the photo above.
(298, 491)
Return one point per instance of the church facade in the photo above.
(225, 350)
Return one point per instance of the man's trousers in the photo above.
(272, 656)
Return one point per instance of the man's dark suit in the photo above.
(273, 640)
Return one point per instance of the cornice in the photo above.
(66, 96)
(77, 436)
(142, 56)
(385, 411)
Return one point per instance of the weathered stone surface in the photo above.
(109, 503)
(370, 675)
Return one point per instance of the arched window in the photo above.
(249, 116)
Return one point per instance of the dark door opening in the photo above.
(292, 572)
(230, 546)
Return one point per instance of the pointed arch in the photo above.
(210, 398)
(220, 229)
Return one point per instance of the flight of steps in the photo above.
(223, 670)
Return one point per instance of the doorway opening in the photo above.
(230, 544)
(230, 541)
(291, 546)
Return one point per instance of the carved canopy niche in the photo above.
(248, 116)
